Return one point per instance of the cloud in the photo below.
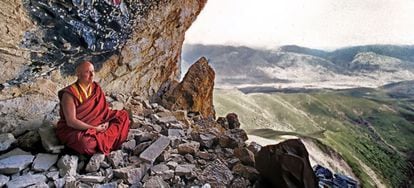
(316, 23)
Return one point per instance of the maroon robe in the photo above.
(93, 111)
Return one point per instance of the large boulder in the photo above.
(195, 92)
(286, 165)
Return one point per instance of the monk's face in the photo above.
(85, 73)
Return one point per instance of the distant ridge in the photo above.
(357, 66)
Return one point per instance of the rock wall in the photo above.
(135, 46)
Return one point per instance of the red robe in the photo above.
(93, 111)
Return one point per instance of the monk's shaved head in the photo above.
(85, 72)
(82, 66)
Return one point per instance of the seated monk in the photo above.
(87, 125)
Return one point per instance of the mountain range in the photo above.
(295, 66)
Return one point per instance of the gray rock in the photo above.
(156, 128)
(15, 151)
(108, 173)
(6, 140)
(175, 142)
(92, 179)
(130, 145)
(53, 168)
(49, 140)
(189, 158)
(104, 164)
(184, 170)
(175, 125)
(53, 175)
(145, 136)
(108, 185)
(155, 149)
(164, 156)
(191, 147)
(163, 171)
(204, 155)
(3, 180)
(134, 159)
(67, 165)
(207, 140)
(130, 174)
(167, 175)
(134, 134)
(116, 158)
(176, 158)
(71, 182)
(15, 164)
(159, 169)
(165, 117)
(177, 133)
(217, 174)
(29, 141)
(137, 121)
(44, 161)
(39, 185)
(202, 162)
(26, 180)
(59, 183)
(95, 162)
(156, 181)
(172, 164)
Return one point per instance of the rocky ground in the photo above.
(164, 148)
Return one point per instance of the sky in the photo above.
(319, 24)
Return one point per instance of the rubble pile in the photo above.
(164, 148)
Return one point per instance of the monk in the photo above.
(87, 124)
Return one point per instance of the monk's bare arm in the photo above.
(69, 110)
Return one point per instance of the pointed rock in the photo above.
(195, 92)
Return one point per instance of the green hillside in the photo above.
(362, 125)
